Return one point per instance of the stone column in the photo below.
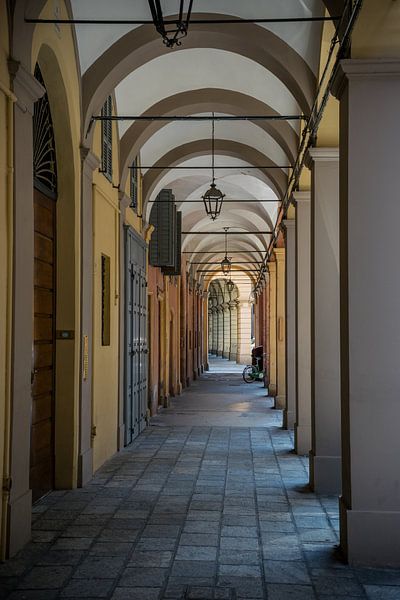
(214, 347)
(220, 344)
(289, 414)
(302, 427)
(369, 92)
(325, 456)
(27, 90)
(227, 331)
(272, 329)
(234, 329)
(280, 402)
(244, 334)
(85, 459)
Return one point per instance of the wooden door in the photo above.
(42, 424)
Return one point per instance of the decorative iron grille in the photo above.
(44, 147)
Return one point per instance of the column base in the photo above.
(121, 436)
(302, 439)
(85, 467)
(280, 402)
(219, 353)
(326, 474)
(19, 523)
(289, 418)
(370, 538)
(272, 389)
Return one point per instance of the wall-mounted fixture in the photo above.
(213, 198)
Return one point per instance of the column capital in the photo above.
(364, 68)
(89, 159)
(288, 224)
(124, 199)
(315, 155)
(271, 266)
(279, 254)
(25, 86)
(301, 197)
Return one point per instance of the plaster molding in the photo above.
(302, 197)
(364, 68)
(26, 87)
(89, 159)
(279, 254)
(322, 155)
(124, 200)
(288, 224)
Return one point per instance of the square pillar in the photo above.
(272, 329)
(280, 402)
(244, 334)
(325, 456)
(369, 92)
(289, 414)
(302, 427)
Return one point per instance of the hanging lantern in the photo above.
(172, 31)
(213, 198)
(230, 286)
(225, 262)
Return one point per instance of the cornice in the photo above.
(26, 87)
(302, 197)
(323, 154)
(364, 68)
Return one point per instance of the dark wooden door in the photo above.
(42, 426)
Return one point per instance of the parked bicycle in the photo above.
(253, 372)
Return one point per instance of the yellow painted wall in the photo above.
(377, 31)
(6, 256)
(105, 358)
(54, 49)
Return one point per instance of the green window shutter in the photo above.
(176, 268)
(163, 239)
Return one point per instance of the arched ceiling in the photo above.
(229, 69)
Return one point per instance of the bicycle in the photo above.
(253, 373)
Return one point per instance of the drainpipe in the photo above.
(6, 484)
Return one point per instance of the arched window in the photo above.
(44, 147)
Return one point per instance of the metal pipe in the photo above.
(237, 21)
(222, 251)
(202, 202)
(134, 167)
(243, 262)
(227, 233)
(199, 118)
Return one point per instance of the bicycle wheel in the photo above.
(249, 374)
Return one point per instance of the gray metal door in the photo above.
(135, 336)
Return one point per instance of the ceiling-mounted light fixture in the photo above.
(213, 198)
(172, 31)
(225, 262)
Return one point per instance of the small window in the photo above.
(105, 300)
(106, 139)
(134, 185)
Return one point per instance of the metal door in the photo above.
(136, 370)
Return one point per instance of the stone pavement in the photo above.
(195, 512)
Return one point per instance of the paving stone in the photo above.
(150, 559)
(155, 544)
(285, 572)
(96, 567)
(239, 557)
(193, 568)
(165, 531)
(382, 592)
(143, 577)
(290, 592)
(208, 553)
(138, 593)
(60, 557)
(33, 595)
(198, 539)
(245, 587)
(235, 543)
(245, 532)
(88, 588)
(111, 548)
(240, 570)
(205, 527)
(46, 578)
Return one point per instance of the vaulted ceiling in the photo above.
(229, 69)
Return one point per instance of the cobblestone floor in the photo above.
(196, 512)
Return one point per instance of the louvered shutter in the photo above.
(163, 239)
(106, 139)
(176, 269)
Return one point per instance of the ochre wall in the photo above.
(106, 392)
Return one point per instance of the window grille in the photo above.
(106, 139)
(44, 146)
(105, 301)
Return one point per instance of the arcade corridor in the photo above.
(208, 502)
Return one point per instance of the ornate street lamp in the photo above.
(171, 31)
(225, 262)
(230, 286)
(213, 198)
